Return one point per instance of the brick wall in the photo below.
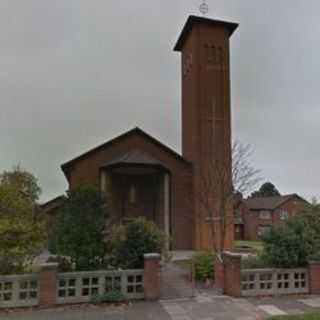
(251, 218)
(314, 277)
(86, 170)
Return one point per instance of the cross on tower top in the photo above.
(204, 8)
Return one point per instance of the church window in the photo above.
(132, 194)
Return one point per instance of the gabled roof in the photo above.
(53, 204)
(269, 203)
(135, 157)
(192, 20)
(135, 131)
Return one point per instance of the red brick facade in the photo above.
(251, 222)
(206, 149)
(206, 119)
(86, 169)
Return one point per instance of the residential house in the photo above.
(254, 216)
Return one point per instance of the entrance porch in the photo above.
(137, 186)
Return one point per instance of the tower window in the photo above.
(132, 194)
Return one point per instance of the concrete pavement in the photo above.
(205, 306)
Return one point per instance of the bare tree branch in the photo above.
(245, 177)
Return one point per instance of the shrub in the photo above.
(291, 245)
(203, 265)
(109, 297)
(130, 242)
(285, 247)
(254, 262)
(79, 228)
(64, 263)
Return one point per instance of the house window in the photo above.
(284, 215)
(237, 214)
(265, 215)
(262, 230)
(132, 195)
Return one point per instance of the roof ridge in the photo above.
(136, 130)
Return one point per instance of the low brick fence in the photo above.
(19, 291)
(264, 282)
(239, 282)
(48, 287)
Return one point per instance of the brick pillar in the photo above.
(151, 276)
(48, 279)
(314, 277)
(232, 274)
(218, 274)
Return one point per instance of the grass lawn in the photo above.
(310, 316)
(256, 245)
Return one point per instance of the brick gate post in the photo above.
(314, 277)
(218, 274)
(48, 279)
(151, 276)
(232, 274)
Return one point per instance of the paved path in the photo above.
(293, 305)
(138, 311)
(205, 306)
(175, 282)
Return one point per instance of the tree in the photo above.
(214, 195)
(79, 229)
(266, 190)
(21, 236)
(294, 243)
(25, 182)
(217, 184)
(244, 176)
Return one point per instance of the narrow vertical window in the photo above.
(132, 194)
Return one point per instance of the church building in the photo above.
(144, 177)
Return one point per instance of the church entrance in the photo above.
(138, 190)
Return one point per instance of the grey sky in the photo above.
(75, 73)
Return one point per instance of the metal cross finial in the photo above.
(204, 8)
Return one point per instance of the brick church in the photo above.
(144, 177)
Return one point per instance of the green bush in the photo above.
(254, 262)
(109, 297)
(64, 263)
(203, 265)
(285, 247)
(293, 244)
(130, 242)
(79, 228)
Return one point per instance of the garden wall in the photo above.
(264, 282)
(48, 287)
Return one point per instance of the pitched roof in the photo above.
(192, 20)
(135, 157)
(53, 204)
(135, 131)
(268, 203)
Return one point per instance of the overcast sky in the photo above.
(76, 73)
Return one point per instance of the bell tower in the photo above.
(206, 119)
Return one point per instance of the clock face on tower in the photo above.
(187, 63)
